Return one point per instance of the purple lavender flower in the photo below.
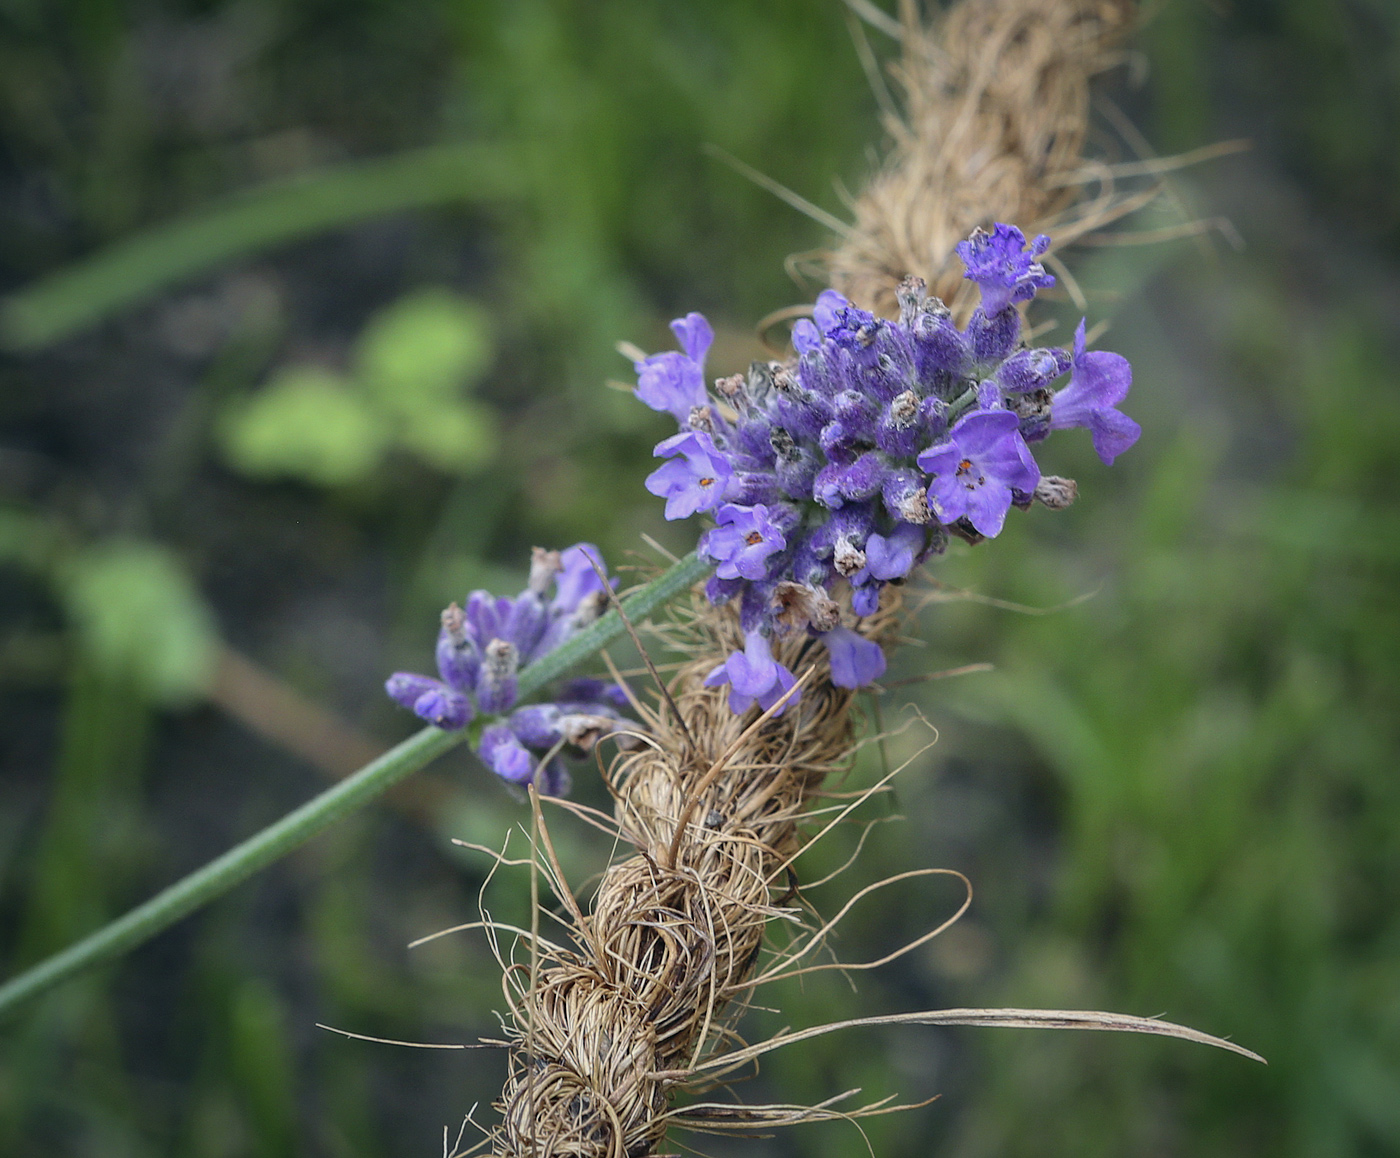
(1098, 381)
(742, 542)
(893, 556)
(458, 658)
(1003, 268)
(480, 650)
(865, 596)
(855, 660)
(695, 335)
(577, 579)
(818, 467)
(505, 755)
(587, 689)
(676, 382)
(806, 338)
(430, 700)
(828, 310)
(975, 472)
(694, 479)
(753, 675)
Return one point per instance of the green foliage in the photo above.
(247, 224)
(411, 365)
(139, 618)
(307, 423)
(412, 361)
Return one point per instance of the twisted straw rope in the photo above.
(996, 115)
(665, 956)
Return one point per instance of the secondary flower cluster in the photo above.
(480, 650)
(854, 460)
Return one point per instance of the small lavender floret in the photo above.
(694, 478)
(495, 688)
(676, 382)
(1003, 267)
(893, 556)
(855, 660)
(827, 312)
(505, 755)
(1028, 370)
(1098, 381)
(754, 676)
(976, 470)
(458, 659)
(742, 542)
(577, 578)
(430, 700)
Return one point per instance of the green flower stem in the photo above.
(961, 405)
(296, 828)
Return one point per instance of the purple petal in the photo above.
(505, 755)
(577, 579)
(753, 670)
(939, 459)
(893, 557)
(806, 338)
(442, 706)
(982, 430)
(987, 506)
(782, 681)
(670, 382)
(947, 497)
(753, 676)
(865, 599)
(405, 687)
(694, 334)
(1113, 432)
(827, 312)
(855, 660)
(1011, 462)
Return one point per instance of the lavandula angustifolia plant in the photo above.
(855, 460)
(482, 646)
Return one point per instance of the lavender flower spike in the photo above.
(694, 479)
(753, 675)
(834, 473)
(1003, 268)
(855, 660)
(742, 542)
(975, 472)
(1098, 381)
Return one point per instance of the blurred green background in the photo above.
(312, 310)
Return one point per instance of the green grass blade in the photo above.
(296, 828)
(137, 268)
